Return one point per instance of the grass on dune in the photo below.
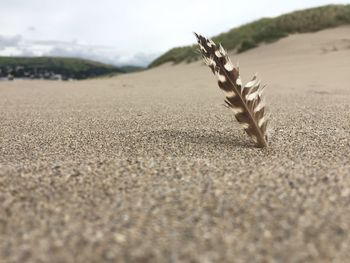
(266, 30)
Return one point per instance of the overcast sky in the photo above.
(124, 32)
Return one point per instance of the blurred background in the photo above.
(123, 33)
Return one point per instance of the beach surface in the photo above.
(151, 167)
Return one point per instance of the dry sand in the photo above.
(150, 167)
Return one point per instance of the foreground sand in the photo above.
(150, 167)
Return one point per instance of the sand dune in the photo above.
(150, 167)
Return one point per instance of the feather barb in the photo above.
(246, 101)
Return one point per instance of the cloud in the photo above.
(139, 59)
(54, 42)
(9, 41)
(31, 29)
(26, 52)
(99, 53)
(19, 46)
(88, 52)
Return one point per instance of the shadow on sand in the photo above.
(201, 138)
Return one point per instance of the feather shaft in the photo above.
(247, 101)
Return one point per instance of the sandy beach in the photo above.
(151, 167)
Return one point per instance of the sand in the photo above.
(151, 167)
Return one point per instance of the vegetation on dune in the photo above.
(266, 30)
(42, 67)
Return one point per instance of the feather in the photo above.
(247, 102)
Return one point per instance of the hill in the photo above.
(131, 68)
(54, 67)
(266, 30)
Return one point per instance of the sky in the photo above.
(128, 32)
